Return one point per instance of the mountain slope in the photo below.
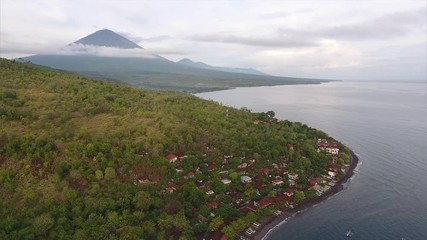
(159, 73)
(85, 159)
(202, 65)
(107, 38)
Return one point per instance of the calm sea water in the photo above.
(386, 126)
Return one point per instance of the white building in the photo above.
(245, 179)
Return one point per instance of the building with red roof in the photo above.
(289, 192)
(265, 171)
(265, 202)
(172, 158)
(212, 167)
(190, 175)
(213, 204)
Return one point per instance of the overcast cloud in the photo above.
(349, 40)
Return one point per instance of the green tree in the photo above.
(192, 194)
(42, 224)
(99, 175)
(216, 223)
(310, 194)
(149, 229)
(233, 176)
(110, 173)
(142, 200)
(228, 212)
(299, 196)
(270, 114)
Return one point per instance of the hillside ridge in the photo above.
(86, 159)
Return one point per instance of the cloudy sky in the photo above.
(334, 39)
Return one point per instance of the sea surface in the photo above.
(385, 124)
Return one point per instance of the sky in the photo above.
(368, 40)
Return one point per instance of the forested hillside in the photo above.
(86, 159)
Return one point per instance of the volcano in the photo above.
(107, 38)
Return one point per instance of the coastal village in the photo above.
(258, 190)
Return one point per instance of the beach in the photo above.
(268, 224)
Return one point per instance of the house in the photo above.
(280, 200)
(171, 188)
(322, 144)
(322, 141)
(314, 181)
(316, 188)
(241, 170)
(289, 192)
(190, 175)
(334, 158)
(332, 150)
(265, 171)
(265, 202)
(243, 165)
(250, 207)
(332, 171)
(212, 204)
(237, 197)
(211, 167)
(245, 179)
(218, 235)
(276, 182)
(172, 158)
(259, 186)
(293, 176)
(201, 219)
(210, 193)
(285, 171)
(335, 145)
(226, 181)
(200, 184)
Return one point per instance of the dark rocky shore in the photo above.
(271, 222)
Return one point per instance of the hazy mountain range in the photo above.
(202, 65)
(100, 55)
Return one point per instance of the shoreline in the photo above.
(272, 222)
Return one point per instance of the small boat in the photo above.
(349, 233)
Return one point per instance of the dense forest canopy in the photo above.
(86, 159)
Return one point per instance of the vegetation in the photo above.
(85, 159)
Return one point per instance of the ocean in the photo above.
(385, 124)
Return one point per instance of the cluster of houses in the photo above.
(276, 177)
(332, 148)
